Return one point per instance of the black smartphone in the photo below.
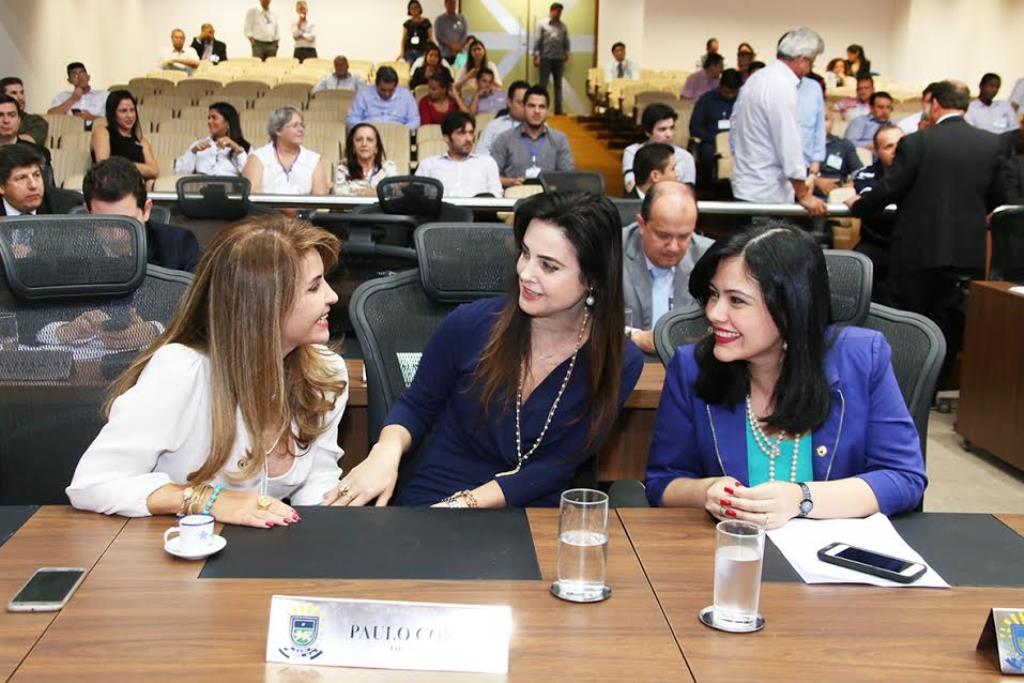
(869, 562)
(48, 590)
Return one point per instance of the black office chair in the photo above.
(628, 209)
(204, 197)
(417, 197)
(56, 268)
(573, 181)
(158, 214)
(1008, 246)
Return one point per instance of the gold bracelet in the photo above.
(467, 495)
(186, 496)
(197, 495)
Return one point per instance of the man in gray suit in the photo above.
(659, 253)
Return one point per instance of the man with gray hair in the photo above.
(768, 161)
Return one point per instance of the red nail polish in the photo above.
(730, 513)
(728, 489)
(725, 501)
(737, 484)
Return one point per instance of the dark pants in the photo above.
(304, 53)
(553, 68)
(262, 49)
(939, 294)
(879, 255)
(706, 160)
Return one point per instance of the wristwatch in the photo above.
(806, 505)
(630, 331)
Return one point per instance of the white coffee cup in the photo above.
(195, 533)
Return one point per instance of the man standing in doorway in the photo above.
(551, 52)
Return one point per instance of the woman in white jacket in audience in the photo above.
(223, 152)
(236, 405)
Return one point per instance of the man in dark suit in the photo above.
(943, 182)
(115, 186)
(22, 188)
(208, 48)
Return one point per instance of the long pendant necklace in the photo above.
(521, 457)
(771, 447)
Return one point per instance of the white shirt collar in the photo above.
(11, 211)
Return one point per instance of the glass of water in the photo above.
(582, 546)
(739, 554)
(8, 332)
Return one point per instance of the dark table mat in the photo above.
(382, 543)
(965, 549)
(12, 517)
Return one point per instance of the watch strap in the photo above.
(807, 504)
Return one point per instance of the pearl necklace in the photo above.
(771, 447)
(521, 458)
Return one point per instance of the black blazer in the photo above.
(944, 181)
(55, 201)
(171, 247)
(219, 49)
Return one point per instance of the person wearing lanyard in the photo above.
(531, 148)
(284, 166)
(261, 30)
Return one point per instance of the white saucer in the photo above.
(173, 546)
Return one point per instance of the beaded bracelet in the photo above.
(213, 498)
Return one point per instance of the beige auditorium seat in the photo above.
(143, 86)
(288, 62)
(518, 192)
(482, 120)
(329, 150)
(428, 133)
(334, 114)
(724, 153)
(865, 155)
(331, 99)
(195, 127)
(167, 147)
(296, 94)
(248, 89)
(845, 231)
(430, 148)
(397, 147)
(60, 125)
(167, 75)
(70, 165)
(419, 92)
(195, 89)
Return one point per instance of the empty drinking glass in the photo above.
(582, 546)
(739, 555)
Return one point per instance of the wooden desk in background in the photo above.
(991, 414)
(623, 457)
(142, 615)
(813, 632)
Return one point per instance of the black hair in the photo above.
(114, 100)
(707, 45)
(618, 44)
(484, 71)
(536, 90)
(989, 77)
(790, 270)
(408, 9)
(386, 74)
(731, 79)
(355, 169)
(7, 99)
(656, 112)
(17, 156)
(113, 179)
(516, 85)
(230, 115)
(929, 89)
(456, 121)
(441, 77)
(951, 95)
(755, 66)
(9, 80)
(865, 77)
(881, 94)
(654, 156)
(882, 129)
(556, 5)
(750, 48)
(713, 59)
(75, 65)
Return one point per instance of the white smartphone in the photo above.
(48, 590)
(868, 562)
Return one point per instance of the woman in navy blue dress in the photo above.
(517, 392)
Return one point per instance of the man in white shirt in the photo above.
(463, 173)
(261, 30)
(988, 114)
(768, 161)
(659, 124)
(505, 122)
(175, 58)
(340, 78)
(82, 101)
(620, 67)
(918, 121)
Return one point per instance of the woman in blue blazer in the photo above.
(778, 414)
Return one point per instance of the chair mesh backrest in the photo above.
(849, 281)
(157, 214)
(216, 197)
(410, 196)
(678, 328)
(628, 210)
(52, 392)
(463, 262)
(1008, 244)
(918, 349)
(572, 181)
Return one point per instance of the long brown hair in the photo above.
(245, 285)
(591, 224)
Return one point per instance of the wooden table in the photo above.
(813, 632)
(143, 615)
(992, 375)
(624, 455)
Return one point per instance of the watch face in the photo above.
(805, 506)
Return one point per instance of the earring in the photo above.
(785, 347)
(590, 300)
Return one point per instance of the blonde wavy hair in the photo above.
(244, 287)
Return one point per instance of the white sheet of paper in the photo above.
(1017, 290)
(801, 539)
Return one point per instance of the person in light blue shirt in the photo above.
(811, 110)
(861, 131)
(384, 102)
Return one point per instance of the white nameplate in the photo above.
(381, 634)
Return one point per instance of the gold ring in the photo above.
(264, 502)
(342, 490)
